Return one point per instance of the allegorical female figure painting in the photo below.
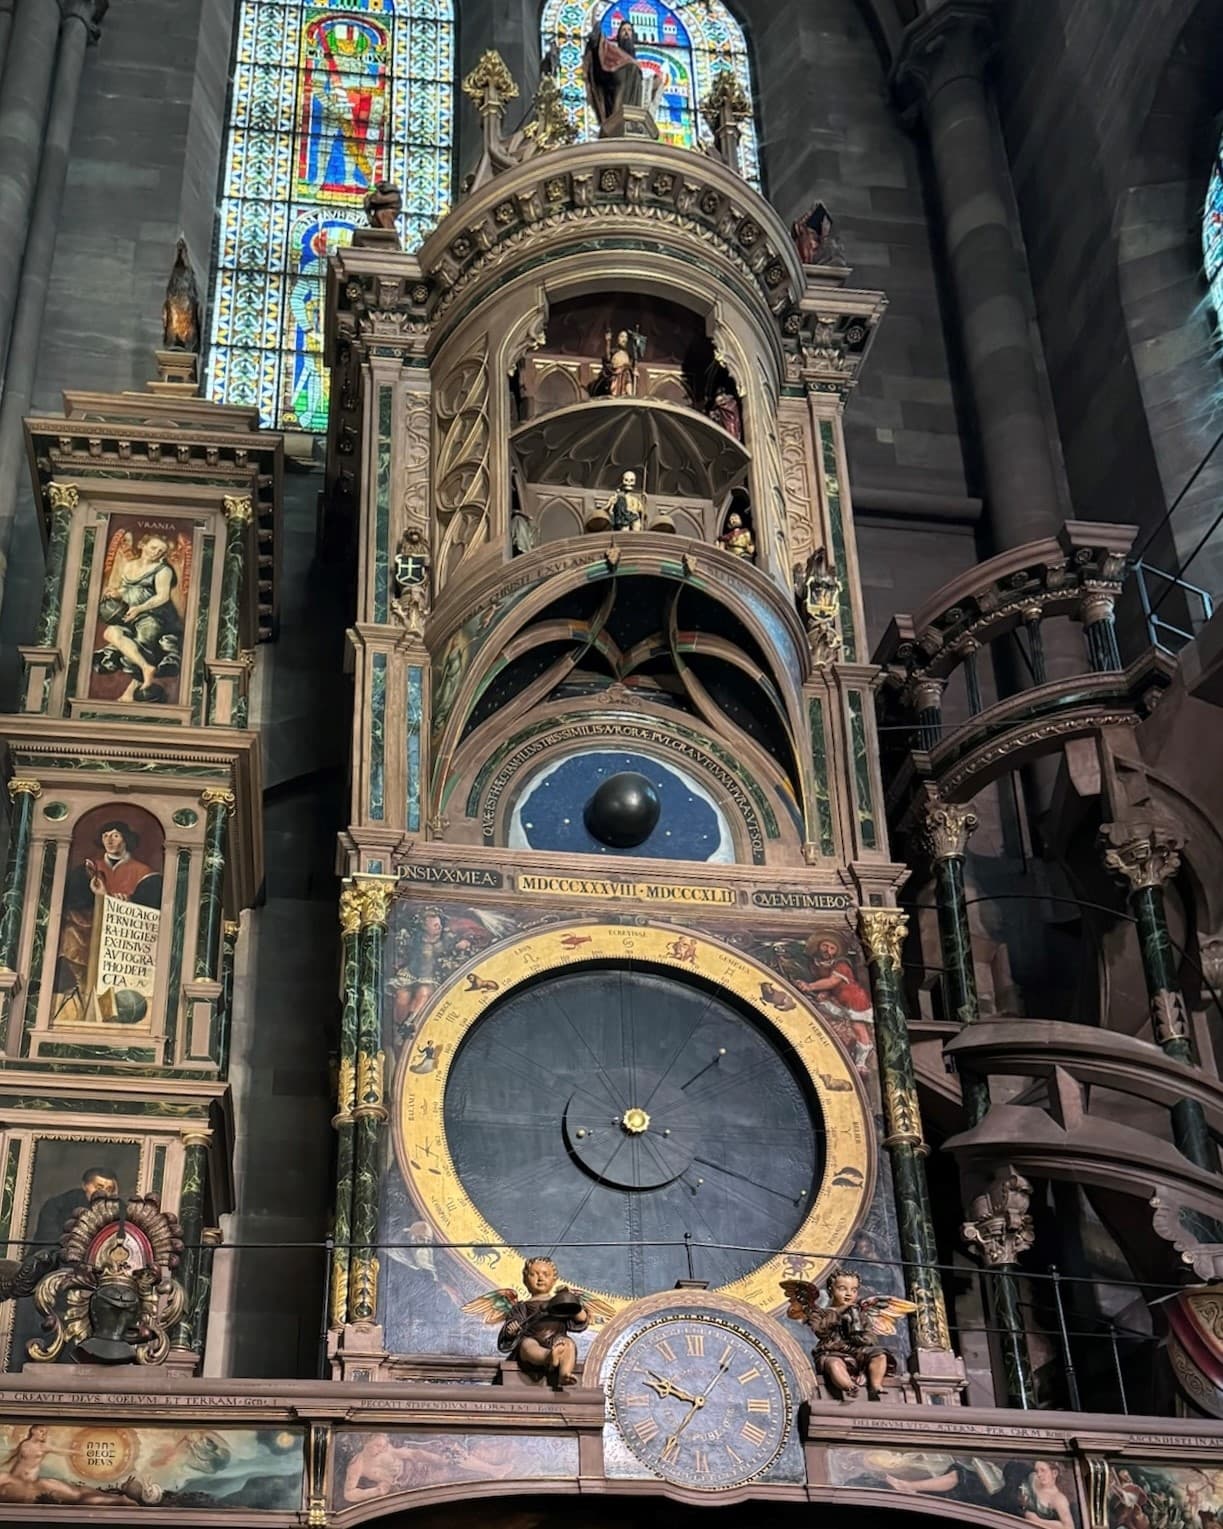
(141, 613)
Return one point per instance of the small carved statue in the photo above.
(847, 1326)
(622, 350)
(727, 411)
(180, 314)
(411, 603)
(383, 204)
(624, 511)
(815, 239)
(613, 76)
(107, 1290)
(737, 538)
(536, 1328)
(818, 592)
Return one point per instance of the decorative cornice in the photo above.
(883, 931)
(1144, 855)
(943, 830)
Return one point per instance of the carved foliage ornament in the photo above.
(883, 933)
(1000, 1227)
(942, 829)
(1143, 854)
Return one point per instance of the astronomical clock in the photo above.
(616, 814)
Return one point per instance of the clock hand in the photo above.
(666, 1387)
(699, 1402)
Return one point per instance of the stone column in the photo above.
(1146, 856)
(1096, 612)
(6, 29)
(191, 1220)
(1000, 1229)
(64, 499)
(346, 1103)
(210, 1241)
(372, 895)
(942, 63)
(882, 931)
(79, 29)
(23, 794)
(238, 514)
(926, 699)
(944, 832)
(25, 94)
(218, 804)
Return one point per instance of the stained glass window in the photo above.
(329, 97)
(684, 44)
(1212, 235)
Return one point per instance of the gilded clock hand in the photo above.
(699, 1402)
(666, 1387)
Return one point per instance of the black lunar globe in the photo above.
(624, 811)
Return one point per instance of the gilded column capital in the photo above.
(218, 796)
(196, 1136)
(212, 1237)
(231, 928)
(63, 496)
(20, 786)
(1098, 603)
(883, 931)
(1000, 1227)
(350, 910)
(372, 896)
(943, 829)
(238, 509)
(924, 693)
(1143, 854)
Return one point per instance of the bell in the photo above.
(600, 520)
(565, 1303)
(663, 523)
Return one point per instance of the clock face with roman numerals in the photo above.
(700, 1402)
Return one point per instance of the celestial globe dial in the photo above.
(700, 1402)
(610, 1114)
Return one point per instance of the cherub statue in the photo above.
(535, 1329)
(737, 538)
(846, 1325)
(622, 350)
(624, 511)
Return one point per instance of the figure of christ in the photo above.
(535, 1334)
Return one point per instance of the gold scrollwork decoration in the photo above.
(238, 509)
(372, 897)
(63, 496)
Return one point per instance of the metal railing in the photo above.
(1157, 626)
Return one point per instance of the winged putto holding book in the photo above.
(536, 1327)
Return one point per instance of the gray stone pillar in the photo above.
(941, 65)
(78, 30)
(25, 94)
(6, 27)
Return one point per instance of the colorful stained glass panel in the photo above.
(329, 97)
(686, 43)
(1212, 236)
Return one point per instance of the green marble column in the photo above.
(218, 804)
(372, 895)
(1146, 856)
(191, 1222)
(346, 1102)
(210, 1241)
(1000, 1229)
(231, 929)
(64, 499)
(238, 513)
(944, 832)
(23, 794)
(882, 931)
